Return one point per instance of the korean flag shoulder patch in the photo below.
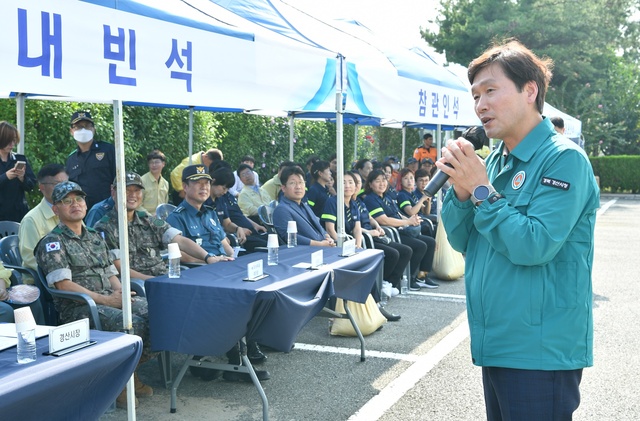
(55, 246)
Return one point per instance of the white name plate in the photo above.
(349, 248)
(255, 271)
(68, 336)
(317, 258)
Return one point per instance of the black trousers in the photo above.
(423, 250)
(530, 395)
(396, 258)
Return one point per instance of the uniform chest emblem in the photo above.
(99, 156)
(55, 246)
(212, 222)
(518, 180)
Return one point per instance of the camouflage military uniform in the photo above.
(85, 260)
(148, 235)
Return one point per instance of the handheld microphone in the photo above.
(478, 138)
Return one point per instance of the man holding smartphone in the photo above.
(16, 176)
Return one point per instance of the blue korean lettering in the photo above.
(51, 42)
(435, 102)
(422, 103)
(114, 49)
(445, 106)
(456, 106)
(174, 58)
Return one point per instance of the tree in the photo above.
(594, 44)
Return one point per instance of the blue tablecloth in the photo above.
(210, 308)
(77, 386)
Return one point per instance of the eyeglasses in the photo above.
(67, 201)
(295, 184)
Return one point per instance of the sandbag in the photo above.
(448, 264)
(367, 316)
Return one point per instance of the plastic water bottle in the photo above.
(26, 333)
(174, 268)
(174, 260)
(384, 295)
(272, 250)
(404, 285)
(26, 346)
(272, 256)
(292, 234)
(292, 239)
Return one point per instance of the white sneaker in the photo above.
(394, 291)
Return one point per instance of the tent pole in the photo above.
(404, 143)
(339, 186)
(123, 232)
(355, 142)
(191, 134)
(292, 133)
(20, 97)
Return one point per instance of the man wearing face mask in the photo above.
(93, 163)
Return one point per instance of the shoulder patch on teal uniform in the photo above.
(558, 184)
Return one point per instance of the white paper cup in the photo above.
(174, 251)
(292, 227)
(24, 319)
(272, 240)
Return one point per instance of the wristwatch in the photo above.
(482, 193)
(208, 255)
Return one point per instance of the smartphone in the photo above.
(20, 165)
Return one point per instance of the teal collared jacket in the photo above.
(529, 256)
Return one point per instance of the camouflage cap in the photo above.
(61, 190)
(130, 179)
(195, 172)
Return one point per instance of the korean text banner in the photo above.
(80, 49)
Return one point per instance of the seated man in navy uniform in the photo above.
(200, 223)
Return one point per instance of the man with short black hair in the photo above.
(156, 187)
(292, 208)
(40, 220)
(427, 150)
(93, 163)
(203, 158)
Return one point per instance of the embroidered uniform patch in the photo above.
(558, 184)
(52, 246)
(518, 180)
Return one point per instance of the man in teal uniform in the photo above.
(526, 223)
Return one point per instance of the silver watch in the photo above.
(482, 193)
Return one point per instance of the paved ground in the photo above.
(420, 368)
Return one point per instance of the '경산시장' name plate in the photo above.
(348, 248)
(69, 337)
(254, 271)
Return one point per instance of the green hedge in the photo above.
(619, 173)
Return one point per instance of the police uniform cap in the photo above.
(61, 190)
(195, 172)
(79, 116)
(427, 161)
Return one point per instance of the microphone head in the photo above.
(476, 136)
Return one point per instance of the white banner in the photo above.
(79, 49)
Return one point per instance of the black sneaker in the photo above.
(430, 283)
(413, 286)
